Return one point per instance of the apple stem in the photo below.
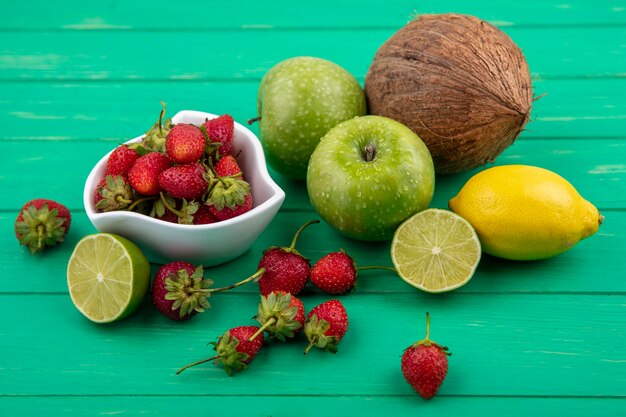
(369, 153)
(388, 268)
(245, 281)
(297, 235)
(254, 120)
(197, 363)
(267, 324)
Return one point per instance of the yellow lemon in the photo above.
(522, 212)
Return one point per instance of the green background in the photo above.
(539, 338)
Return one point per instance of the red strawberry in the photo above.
(168, 216)
(184, 181)
(227, 213)
(227, 166)
(144, 174)
(334, 273)
(185, 143)
(325, 325)
(425, 365)
(203, 216)
(281, 315)
(121, 160)
(179, 290)
(42, 223)
(284, 268)
(113, 193)
(220, 131)
(234, 349)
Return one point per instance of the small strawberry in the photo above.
(42, 223)
(425, 365)
(284, 268)
(184, 181)
(227, 213)
(227, 166)
(336, 273)
(185, 143)
(121, 160)
(234, 349)
(179, 290)
(183, 210)
(325, 325)
(113, 193)
(281, 315)
(220, 134)
(203, 216)
(144, 174)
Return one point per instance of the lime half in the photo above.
(107, 277)
(435, 250)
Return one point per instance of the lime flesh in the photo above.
(107, 277)
(435, 250)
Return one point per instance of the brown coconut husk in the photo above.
(457, 81)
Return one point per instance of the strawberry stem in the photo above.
(212, 358)
(212, 168)
(141, 200)
(41, 236)
(311, 344)
(304, 226)
(161, 117)
(253, 120)
(267, 324)
(169, 207)
(245, 281)
(388, 268)
(427, 338)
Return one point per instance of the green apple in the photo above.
(299, 100)
(368, 175)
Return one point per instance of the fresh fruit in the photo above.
(522, 212)
(121, 160)
(42, 223)
(234, 349)
(185, 143)
(203, 216)
(281, 315)
(368, 175)
(326, 325)
(335, 273)
(229, 197)
(107, 277)
(184, 181)
(285, 269)
(113, 193)
(299, 100)
(458, 82)
(179, 290)
(155, 137)
(425, 365)
(435, 251)
(144, 174)
(220, 131)
(227, 166)
(226, 212)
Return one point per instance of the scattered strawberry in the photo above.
(179, 290)
(121, 160)
(325, 325)
(113, 193)
(281, 315)
(334, 273)
(234, 349)
(203, 216)
(144, 174)
(42, 223)
(227, 166)
(285, 269)
(227, 213)
(185, 143)
(220, 133)
(425, 365)
(184, 181)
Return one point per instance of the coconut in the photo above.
(458, 82)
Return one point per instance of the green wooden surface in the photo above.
(541, 338)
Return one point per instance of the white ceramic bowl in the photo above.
(209, 244)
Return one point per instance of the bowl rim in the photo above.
(277, 196)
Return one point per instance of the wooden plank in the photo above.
(513, 345)
(122, 110)
(285, 14)
(552, 52)
(593, 266)
(244, 405)
(595, 167)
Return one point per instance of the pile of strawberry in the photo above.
(178, 173)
